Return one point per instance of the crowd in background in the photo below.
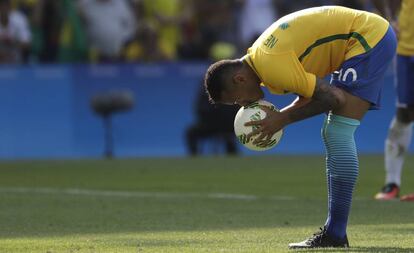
(61, 31)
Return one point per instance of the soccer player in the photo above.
(400, 131)
(292, 56)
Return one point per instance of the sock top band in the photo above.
(344, 120)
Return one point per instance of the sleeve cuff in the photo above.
(311, 78)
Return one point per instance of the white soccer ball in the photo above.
(253, 112)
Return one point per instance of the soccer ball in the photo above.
(252, 112)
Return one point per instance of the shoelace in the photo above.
(317, 237)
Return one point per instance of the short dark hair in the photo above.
(215, 78)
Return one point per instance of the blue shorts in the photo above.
(405, 81)
(362, 75)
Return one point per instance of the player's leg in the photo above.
(400, 131)
(396, 145)
(361, 79)
(341, 172)
(363, 87)
(342, 165)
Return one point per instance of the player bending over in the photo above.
(292, 56)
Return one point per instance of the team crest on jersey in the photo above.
(284, 26)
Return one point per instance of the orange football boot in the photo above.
(408, 197)
(388, 192)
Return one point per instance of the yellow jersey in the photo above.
(295, 49)
(406, 25)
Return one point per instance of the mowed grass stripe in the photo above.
(135, 194)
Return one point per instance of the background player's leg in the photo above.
(396, 145)
(400, 131)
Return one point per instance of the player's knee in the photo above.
(339, 129)
(392, 148)
(340, 98)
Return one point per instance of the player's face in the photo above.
(242, 93)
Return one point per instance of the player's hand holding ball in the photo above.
(256, 126)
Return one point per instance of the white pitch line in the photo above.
(232, 196)
(137, 194)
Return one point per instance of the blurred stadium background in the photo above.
(66, 62)
(67, 52)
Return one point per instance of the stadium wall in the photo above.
(46, 112)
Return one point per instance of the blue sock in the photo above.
(341, 170)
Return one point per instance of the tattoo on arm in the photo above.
(325, 98)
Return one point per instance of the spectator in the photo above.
(109, 25)
(211, 22)
(144, 46)
(164, 17)
(72, 39)
(47, 24)
(15, 35)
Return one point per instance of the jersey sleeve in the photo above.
(283, 73)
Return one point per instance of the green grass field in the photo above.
(245, 204)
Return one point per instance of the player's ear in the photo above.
(239, 78)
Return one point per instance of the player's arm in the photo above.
(324, 99)
(298, 102)
(286, 73)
